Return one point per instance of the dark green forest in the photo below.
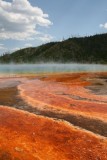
(91, 49)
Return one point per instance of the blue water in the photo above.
(50, 68)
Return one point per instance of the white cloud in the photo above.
(45, 38)
(103, 25)
(28, 45)
(14, 49)
(19, 20)
(1, 44)
(2, 47)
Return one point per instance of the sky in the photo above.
(30, 23)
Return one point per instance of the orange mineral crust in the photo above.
(25, 136)
(69, 93)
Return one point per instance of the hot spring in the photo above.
(60, 115)
(13, 69)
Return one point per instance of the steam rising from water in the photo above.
(50, 68)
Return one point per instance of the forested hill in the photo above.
(92, 49)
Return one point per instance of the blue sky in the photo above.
(26, 23)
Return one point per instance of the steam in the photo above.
(50, 68)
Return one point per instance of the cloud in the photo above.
(103, 26)
(1, 44)
(19, 20)
(28, 45)
(2, 47)
(45, 38)
(14, 49)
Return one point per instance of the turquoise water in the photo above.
(49, 68)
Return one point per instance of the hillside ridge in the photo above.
(91, 49)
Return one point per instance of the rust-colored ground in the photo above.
(25, 136)
(67, 93)
(65, 117)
